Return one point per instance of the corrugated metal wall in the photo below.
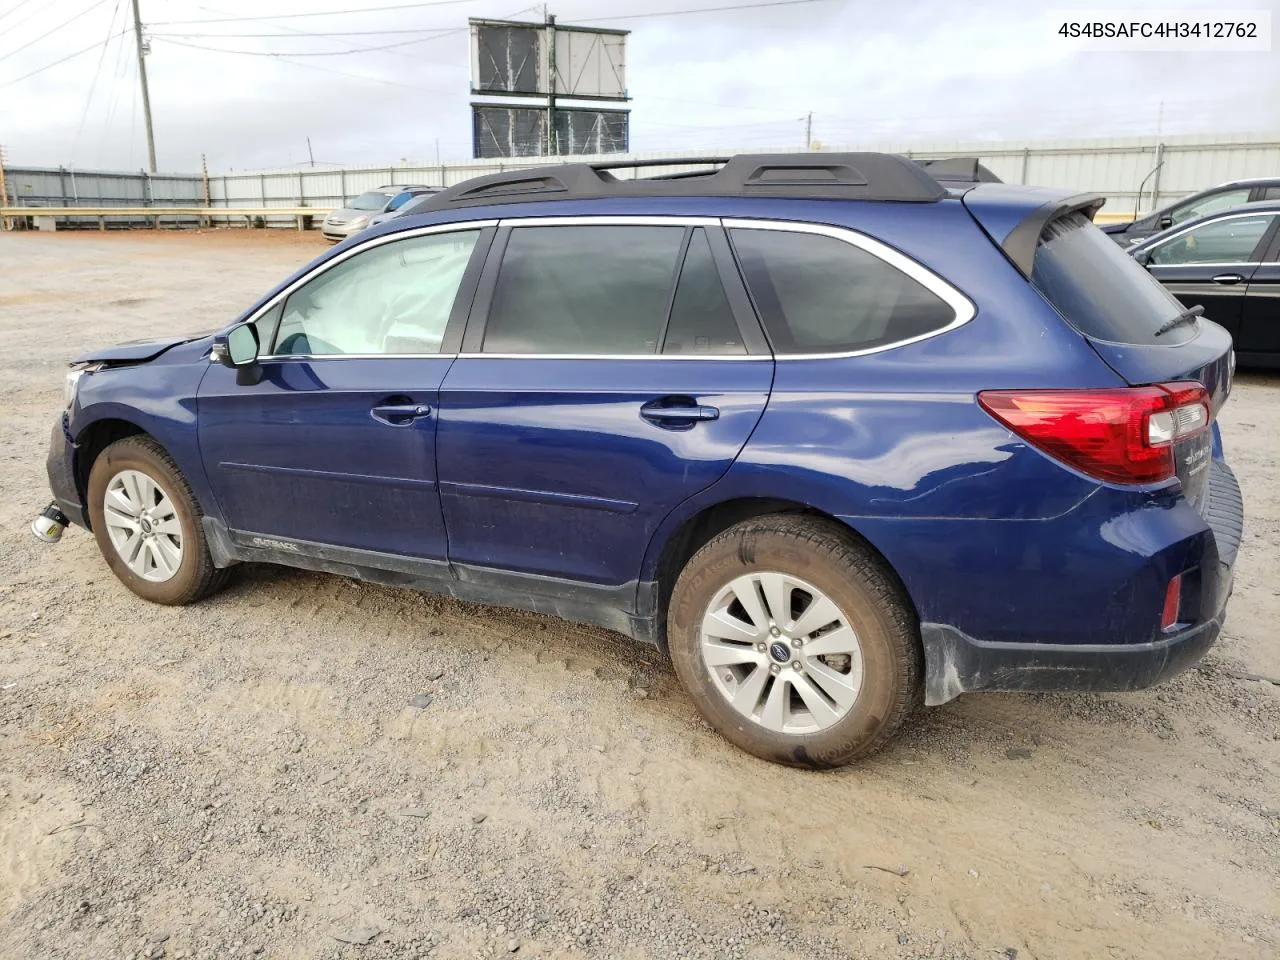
(1132, 173)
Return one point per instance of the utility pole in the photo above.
(142, 78)
(310, 155)
(808, 131)
(553, 146)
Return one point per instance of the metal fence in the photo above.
(1135, 174)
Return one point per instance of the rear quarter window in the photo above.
(818, 294)
(1099, 289)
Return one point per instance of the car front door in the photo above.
(1259, 340)
(611, 369)
(335, 444)
(1211, 264)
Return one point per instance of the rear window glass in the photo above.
(1101, 290)
(817, 294)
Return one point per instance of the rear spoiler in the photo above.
(1020, 244)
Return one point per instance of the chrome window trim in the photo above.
(611, 220)
(754, 357)
(1213, 223)
(456, 227)
(964, 308)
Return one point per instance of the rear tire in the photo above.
(826, 678)
(153, 539)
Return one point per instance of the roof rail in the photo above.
(837, 176)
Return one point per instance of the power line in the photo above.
(683, 13)
(319, 53)
(50, 66)
(93, 84)
(313, 13)
(15, 8)
(288, 58)
(31, 43)
(308, 34)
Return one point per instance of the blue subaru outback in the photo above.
(836, 438)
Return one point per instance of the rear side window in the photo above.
(818, 294)
(1101, 290)
(583, 290)
(702, 320)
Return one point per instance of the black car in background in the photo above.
(1226, 262)
(1222, 197)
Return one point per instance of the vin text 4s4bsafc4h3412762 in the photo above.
(838, 433)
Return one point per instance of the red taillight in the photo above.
(1121, 435)
(1172, 603)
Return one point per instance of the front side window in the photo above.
(1232, 240)
(583, 290)
(394, 298)
(819, 294)
(1210, 204)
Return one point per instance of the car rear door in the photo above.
(611, 369)
(1259, 338)
(334, 447)
(1211, 264)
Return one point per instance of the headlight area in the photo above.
(71, 385)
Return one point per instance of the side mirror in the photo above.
(238, 349)
(1142, 256)
(1166, 222)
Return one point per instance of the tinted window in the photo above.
(1232, 240)
(580, 290)
(392, 298)
(1100, 289)
(400, 201)
(817, 294)
(1271, 193)
(701, 318)
(373, 200)
(1210, 204)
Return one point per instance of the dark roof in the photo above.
(840, 176)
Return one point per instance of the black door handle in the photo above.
(400, 414)
(1228, 279)
(677, 412)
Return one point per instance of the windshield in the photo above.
(373, 200)
(1101, 290)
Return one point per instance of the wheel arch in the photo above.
(91, 441)
(668, 556)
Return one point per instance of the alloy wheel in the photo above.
(143, 526)
(781, 652)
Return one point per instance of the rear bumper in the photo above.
(960, 664)
(957, 663)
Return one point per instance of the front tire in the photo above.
(795, 641)
(148, 524)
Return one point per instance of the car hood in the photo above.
(135, 351)
(343, 214)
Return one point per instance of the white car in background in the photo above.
(355, 216)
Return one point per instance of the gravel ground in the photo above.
(261, 775)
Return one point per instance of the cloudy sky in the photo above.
(247, 81)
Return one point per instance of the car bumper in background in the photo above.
(956, 663)
(62, 478)
(338, 232)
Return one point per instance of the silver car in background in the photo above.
(355, 216)
(414, 205)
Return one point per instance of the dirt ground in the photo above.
(246, 776)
